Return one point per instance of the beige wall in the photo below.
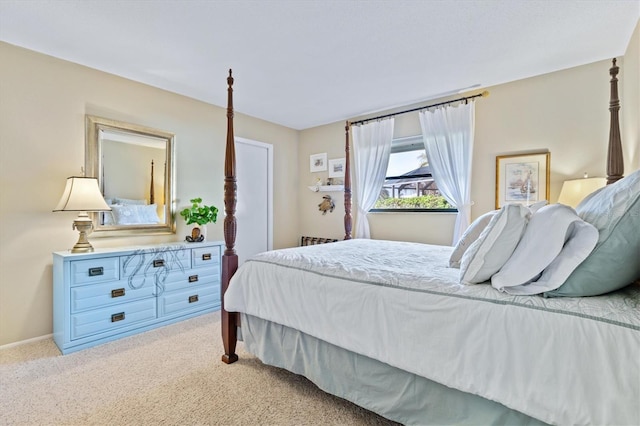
(564, 112)
(43, 102)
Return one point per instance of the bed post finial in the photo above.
(229, 320)
(347, 185)
(615, 160)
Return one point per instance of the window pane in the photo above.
(409, 184)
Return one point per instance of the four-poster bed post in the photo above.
(347, 185)
(230, 258)
(152, 197)
(615, 164)
(230, 320)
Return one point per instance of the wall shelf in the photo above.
(326, 188)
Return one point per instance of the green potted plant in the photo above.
(200, 215)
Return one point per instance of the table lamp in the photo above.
(82, 195)
(575, 190)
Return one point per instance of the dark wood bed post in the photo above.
(615, 159)
(347, 186)
(152, 196)
(229, 258)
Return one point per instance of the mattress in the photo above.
(565, 360)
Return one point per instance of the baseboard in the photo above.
(24, 342)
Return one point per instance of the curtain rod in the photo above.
(466, 98)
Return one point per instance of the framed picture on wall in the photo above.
(318, 162)
(336, 167)
(522, 178)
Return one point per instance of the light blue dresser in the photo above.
(112, 293)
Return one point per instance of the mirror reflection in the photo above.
(133, 165)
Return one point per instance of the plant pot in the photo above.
(198, 234)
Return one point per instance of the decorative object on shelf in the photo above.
(336, 168)
(318, 184)
(327, 204)
(522, 178)
(199, 214)
(318, 162)
(82, 194)
(575, 190)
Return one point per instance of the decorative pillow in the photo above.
(614, 262)
(605, 207)
(125, 215)
(148, 214)
(543, 238)
(581, 239)
(495, 245)
(470, 235)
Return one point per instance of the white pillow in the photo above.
(495, 244)
(135, 214)
(125, 215)
(582, 238)
(541, 242)
(148, 214)
(470, 235)
(537, 206)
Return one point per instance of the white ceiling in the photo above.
(311, 62)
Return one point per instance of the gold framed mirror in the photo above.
(134, 167)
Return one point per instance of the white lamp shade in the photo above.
(82, 194)
(575, 190)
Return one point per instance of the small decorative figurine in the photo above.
(327, 204)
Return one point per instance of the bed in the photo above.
(389, 326)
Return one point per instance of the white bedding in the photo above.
(567, 361)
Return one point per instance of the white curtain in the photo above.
(448, 139)
(371, 150)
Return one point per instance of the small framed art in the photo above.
(336, 167)
(522, 178)
(318, 162)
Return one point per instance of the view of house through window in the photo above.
(409, 185)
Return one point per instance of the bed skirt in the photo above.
(388, 391)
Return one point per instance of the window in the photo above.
(409, 185)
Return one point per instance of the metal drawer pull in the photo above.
(193, 298)
(117, 292)
(193, 278)
(117, 317)
(96, 271)
(158, 263)
(206, 256)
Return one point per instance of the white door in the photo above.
(254, 211)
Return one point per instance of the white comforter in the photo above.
(563, 361)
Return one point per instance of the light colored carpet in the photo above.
(169, 376)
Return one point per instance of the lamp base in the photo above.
(83, 224)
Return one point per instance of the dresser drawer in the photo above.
(113, 317)
(94, 270)
(106, 294)
(188, 300)
(158, 262)
(206, 256)
(193, 278)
